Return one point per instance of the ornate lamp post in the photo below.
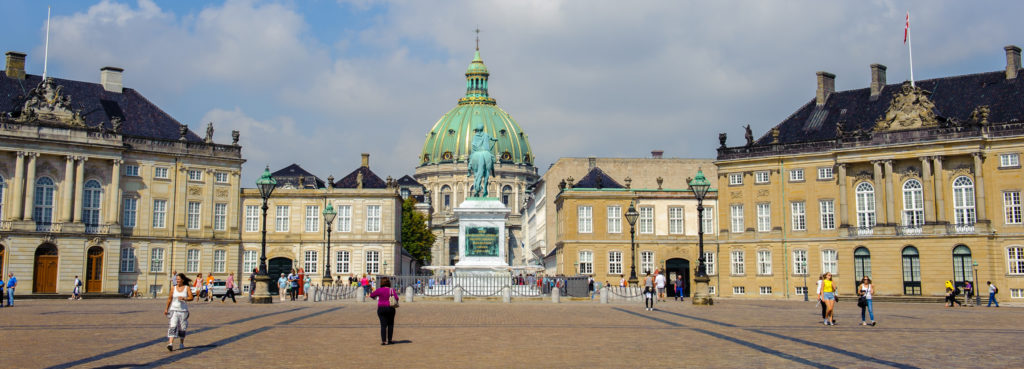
(329, 215)
(700, 187)
(977, 296)
(266, 184)
(631, 215)
(805, 279)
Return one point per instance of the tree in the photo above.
(416, 237)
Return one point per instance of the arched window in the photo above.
(91, 203)
(43, 211)
(911, 271)
(865, 205)
(861, 263)
(446, 197)
(506, 195)
(913, 204)
(963, 201)
(962, 266)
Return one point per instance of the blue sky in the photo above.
(318, 82)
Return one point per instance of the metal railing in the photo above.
(963, 228)
(862, 231)
(52, 227)
(331, 293)
(909, 230)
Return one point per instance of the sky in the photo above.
(318, 82)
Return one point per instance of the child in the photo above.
(648, 298)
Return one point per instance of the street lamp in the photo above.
(700, 187)
(266, 184)
(631, 216)
(805, 278)
(977, 296)
(385, 267)
(329, 215)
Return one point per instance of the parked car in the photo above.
(220, 288)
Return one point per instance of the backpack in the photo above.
(956, 291)
(997, 290)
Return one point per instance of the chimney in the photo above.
(366, 160)
(826, 86)
(657, 153)
(16, 64)
(591, 162)
(877, 80)
(1012, 61)
(110, 78)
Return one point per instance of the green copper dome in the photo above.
(449, 140)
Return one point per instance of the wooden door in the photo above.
(94, 270)
(44, 276)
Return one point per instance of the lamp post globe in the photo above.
(261, 295)
(329, 214)
(631, 215)
(700, 185)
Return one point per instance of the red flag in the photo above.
(906, 29)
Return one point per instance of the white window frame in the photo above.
(344, 218)
(372, 261)
(828, 214)
(128, 260)
(709, 220)
(798, 210)
(220, 260)
(156, 260)
(739, 290)
(764, 262)
(764, 217)
(800, 262)
(1016, 293)
(964, 212)
(800, 291)
(92, 202)
(161, 173)
(614, 219)
(342, 260)
(1012, 207)
(647, 262)
(585, 219)
(310, 262)
(762, 177)
(645, 224)
(825, 173)
(195, 175)
(195, 210)
(736, 212)
(709, 263)
(250, 260)
(675, 220)
(130, 213)
(735, 179)
(830, 261)
(615, 262)
(1015, 260)
(373, 218)
(192, 259)
(913, 203)
(796, 175)
(312, 218)
(1009, 160)
(220, 216)
(865, 205)
(131, 170)
(737, 264)
(220, 177)
(765, 290)
(282, 218)
(159, 213)
(252, 218)
(586, 262)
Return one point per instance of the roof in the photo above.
(408, 181)
(370, 179)
(293, 175)
(139, 116)
(598, 179)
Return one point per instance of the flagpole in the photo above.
(46, 49)
(910, 51)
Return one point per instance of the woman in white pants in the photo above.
(177, 310)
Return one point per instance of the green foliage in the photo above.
(416, 237)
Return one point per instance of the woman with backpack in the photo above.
(866, 290)
(387, 301)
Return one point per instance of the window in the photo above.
(1011, 207)
(828, 214)
(708, 220)
(586, 262)
(252, 218)
(1016, 293)
(131, 170)
(739, 290)
(825, 173)
(195, 175)
(711, 290)
(373, 218)
(615, 262)
(913, 204)
(829, 261)
(800, 262)
(344, 218)
(585, 219)
(963, 201)
(761, 177)
(159, 213)
(766, 290)
(709, 263)
(801, 291)
(647, 262)
(128, 215)
(911, 271)
(1009, 160)
(735, 179)
(962, 265)
(192, 261)
(675, 220)
(43, 210)
(764, 262)
(1015, 256)
(220, 177)
(646, 222)
(160, 173)
(156, 260)
(865, 205)
(446, 197)
(738, 268)
(764, 217)
(281, 218)
(506, 194)
(614, 219)
(737, 218)
(310, 262)
(220, 216)
(861, 263)
(312, 218)
(128, 260)
(799, 212)
(249, 260)
(193, 214)
(341, 261)
(796, 175)
(219, 260)
(373, 262)
(91, 203)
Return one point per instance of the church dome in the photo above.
(450, 139)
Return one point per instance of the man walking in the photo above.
(992, 291)
(659, 281)
(12, 282)
(230, 285)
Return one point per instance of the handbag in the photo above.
(862, 301)
(393, 298)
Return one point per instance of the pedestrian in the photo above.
(230, 289)
(197, 286)
(866, 291)
(622, 281)
(252, 281)
(648, 298)
(135, 289)
(282, 287)
(968, 290)
(177, 310)
(77, 292)
(209, 287)
(365, 283)
(386, 310)
(305, 289)
(679, 287)
(659, 282)
(829, 292)
(590, 287)
(2, 286)
(12, 283)
(820, 301)
(293, 285)
(302, 280)
(950, 297)
(992, 291)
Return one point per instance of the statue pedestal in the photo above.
(700, 292)
(262, 293)
(482, 233)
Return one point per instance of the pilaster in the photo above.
(940, 186)
(929, 190)
(979, 185)
(67, 189)
(19, 187)
(30, 181)
(76, 215)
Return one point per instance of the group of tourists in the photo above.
(828, 296)
(293, 285)
(7, 289)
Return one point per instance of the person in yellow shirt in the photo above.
(829, 292)
(209, 287)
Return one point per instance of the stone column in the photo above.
(30, 182)
(114, 192)
(76, 215)
(979, 186)
(19, 188)
(890, 195)
(877, 182)
(844, 214)
(940, 186)
(929, 190)
(67, 187)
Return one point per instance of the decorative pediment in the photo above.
(47, 101)
(864, 176)
(910, 108)
(961, 170)
(910, 172)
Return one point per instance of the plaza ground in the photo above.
(733, 333)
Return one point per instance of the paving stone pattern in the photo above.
(740, 334)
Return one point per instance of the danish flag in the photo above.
(906, 29)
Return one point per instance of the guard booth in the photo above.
(577, 286)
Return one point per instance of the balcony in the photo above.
(862, 231)
(97, 229)
(49, 228)
(964, 228)
(909, 230)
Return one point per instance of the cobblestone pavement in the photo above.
(733, 333)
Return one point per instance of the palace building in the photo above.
(909, 184)
(98, 182)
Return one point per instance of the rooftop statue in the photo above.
(481, 160)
